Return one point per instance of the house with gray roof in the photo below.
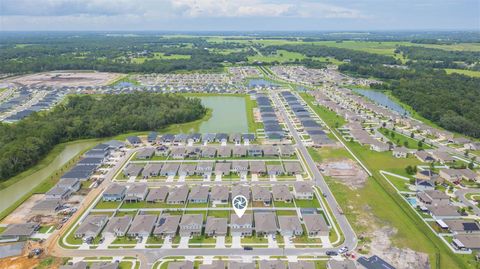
(216, 226)
(132, 170)
(58, 193)
(198, 194)
(287, 150)
(270, 151)
(281, 193)
(444, 211)
(241, 226)
(152, 170)
(47, 206)
(241, 190)
(157, 195)
(191, 224)
(180, 265)
(208, 138)
(301, 265)
(467, 241)
(194, 138)
(239, 152)
(145, 154)
(133, 141)
(215, 265)
(167, 225)
(275, 170)
(77, 265)
(224, 152)
(178, 195)
(258, 167)
(187, 169)
(162, 151)
(104, 265)
(247, 138)
(254, 151)
(240, 167)
(345, 264)
(193, 152)
(293, 168)
(219, 194)
(118, 226)
(236, 138)
(180, 138)
(204, 168)
(261, 194)
(290, 226)
(167, 138)
(142, 225)
(19, 232)
(209, 152)
(223, 168)
(241, 265)
(303, 190)
(462, 226)
(136, 192)
(72, 184)
(221, 138)
(114, 192)
(178, 153)
(271, 264)
(315, 225)
(91, 227)
(265, 223)
(169, 169)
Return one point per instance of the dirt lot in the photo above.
(345, 171)
(23, 213)
(69, 79)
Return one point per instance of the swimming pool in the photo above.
(412, 201)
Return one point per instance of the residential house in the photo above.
(180, 139)
(442, 157)
(145, 154)
(241, 265)
(71, 184)
(157, 195)
(142, 225)
(240, 167)
(180, 265)
(223, 168)
(198, 194)
(301, 265)
(152, 170)
(178, 153)
(214, 265)
(261, 194)
(424, 156)
(136, 192)
(194, 138)
(169, 169)
(432, 198)
(219, 194)
(422, 185)
(452, 175)
(91, 227)
(290, 226)
(132, 170)
(462, 226)
(152, 137)
(315, 225)
(186, 169)
(287, 150)
(167, 225)
(248, 138)
(204, 168)
(178, 195)
(114, 192)
(162, 151)
(191, 224)
(272, 264)
(467, 241)
(239, 152)
(77, 265)
(241, 226)
(104, 265)
(216, 226)
(167, 138)
(224, 152)
(303, 190)
(293, 168)
(281, 193)
(118, 226)
(19, 232)
(243, 190)
(254, 151)
(208, 138)
(341, 264)
(221, 138)
(270, 151)
(209, 152)
(258, 167)
(193, 152)
(275, 169)
(443, 211)
(469, 175)
(236, 138)
(265, 223)
(56, 193)
(400, 152)
(133, 141)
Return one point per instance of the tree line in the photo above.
(24, 143)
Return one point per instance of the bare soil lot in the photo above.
(65, 78)
(345, 171)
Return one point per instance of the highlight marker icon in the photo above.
(240, 204)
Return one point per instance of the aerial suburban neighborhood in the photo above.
(238, 150)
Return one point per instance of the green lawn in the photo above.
(106, 205)
(470, 73)
(219, 213)
(400, 184)
(283, 204)
(141, 204)
(279, 56)
(402, 140)
(159, 56)
(202, 239)
(307, 203)
(124, 240)
(286, 212)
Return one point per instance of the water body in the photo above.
(14, 192)
(382, 99)
(228, 115)
(260, 82)
(123, 84)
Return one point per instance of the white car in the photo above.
(343, 250)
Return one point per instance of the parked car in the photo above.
(331, 253)
(247, 248)
(343, 250)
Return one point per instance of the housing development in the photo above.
(336, 173)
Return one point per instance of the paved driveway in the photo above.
(254, 177)
(184, 242)
(272, 243)
(218, 177)
(220, 242)
(236, 241)
(106, 242)
(167, 243)
(288, 242)
(299, 177)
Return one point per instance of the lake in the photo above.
(382, 99)
(14, 192)
(228, 115)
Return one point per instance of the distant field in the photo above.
(280, 56)
(470, 73)
(159, 56)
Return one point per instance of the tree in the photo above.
(405, 144)
(412, 135)
(471, 165)
(420, 144)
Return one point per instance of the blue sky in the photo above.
(239, 15)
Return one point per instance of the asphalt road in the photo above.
(461, 195)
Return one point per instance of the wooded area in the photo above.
(25, 143)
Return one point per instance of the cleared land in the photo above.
(69, 79)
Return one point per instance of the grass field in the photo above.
(400, 139)
(159, 56)
(469, 73)
(280, 56)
